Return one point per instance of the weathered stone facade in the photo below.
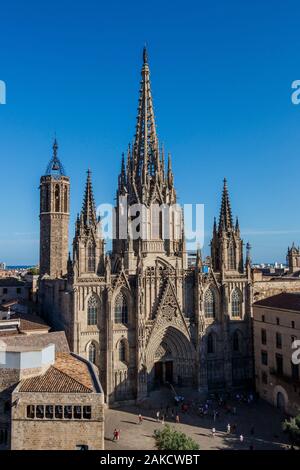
(57, 434)
(140, 313)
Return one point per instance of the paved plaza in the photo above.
(258, 422)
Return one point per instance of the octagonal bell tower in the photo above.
(54, 218)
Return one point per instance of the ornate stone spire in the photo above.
(225, 220)
(122, 176)
(146, 159)
(88, 213)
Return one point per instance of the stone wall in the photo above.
(57, 434)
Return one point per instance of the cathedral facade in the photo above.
(141, 313)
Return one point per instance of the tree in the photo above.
(34, 271)
(170, 439)
(292, 427)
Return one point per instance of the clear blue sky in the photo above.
(221, 79)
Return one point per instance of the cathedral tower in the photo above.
(226, 244)
(146, 181)
(54, 218)
(88, 245)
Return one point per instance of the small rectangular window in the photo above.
(263, 318)
(18, 290)
(58, 412)
(278, 341)
(77, 412)
(295, 371)
(30, 411)
(87, 412)
(293, 324)
(263, 337)
(277, 321)
(264, 358)
(279, 364)
(4, 290)
(49, 412)
(264, 378)
(40, 412)
(68, 412)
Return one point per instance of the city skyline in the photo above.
(214, 111)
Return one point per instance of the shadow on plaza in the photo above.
(260, 418)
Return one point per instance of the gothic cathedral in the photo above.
(141, 313)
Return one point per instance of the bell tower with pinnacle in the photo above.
(54, 218)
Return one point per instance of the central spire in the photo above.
(225, 220)
(145, 149)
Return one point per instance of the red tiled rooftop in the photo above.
(285, 301)
(68, 375)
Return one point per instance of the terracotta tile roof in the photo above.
(285, 301)
(22, 341)
(68, 375)
(30, 322)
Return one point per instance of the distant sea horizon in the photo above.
(20, 266)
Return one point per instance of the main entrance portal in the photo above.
(171, 359)
(163, 372)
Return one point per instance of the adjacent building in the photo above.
(50, 399)
(276, 325)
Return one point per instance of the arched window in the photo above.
(92, 353)
(210, 344)
(66, 199)
(231, 256)
(91, 258)
(236, 346)
(92, 311)
(235, 303)
(122, 351)
(56, 198)
(121, 310)
(209, 304)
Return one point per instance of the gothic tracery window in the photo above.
(92, 353)
(56, 198)
(91, 258)
(236, 344)
(210, 344)
(235, 303)
(209, 304)
(231, 257)
(66, 199)
(92, 310)
(122, 351)
(121, 309)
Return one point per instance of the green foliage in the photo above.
(292, 427)
(34, 271)
(170, 439)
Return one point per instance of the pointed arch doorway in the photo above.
(171, 359)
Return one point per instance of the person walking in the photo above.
(177, 418)
(213, 432)
(157, 416)
(228, 428)
(241, 438)
(140, 419)
(115, 434)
